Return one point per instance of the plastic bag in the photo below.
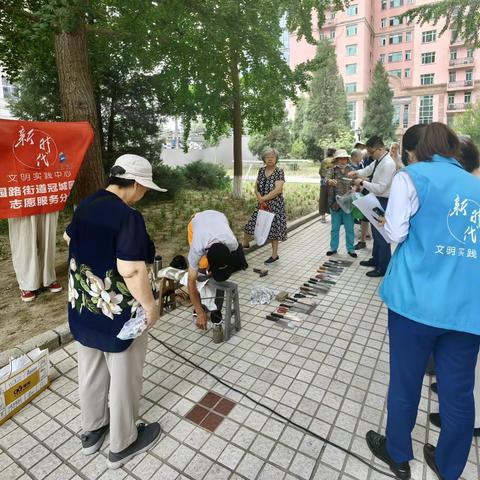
(261, 295)
(134, 327)
(263, 226)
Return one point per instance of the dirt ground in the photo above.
(166, 223)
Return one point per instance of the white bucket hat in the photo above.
(341, 153)
(137, 168)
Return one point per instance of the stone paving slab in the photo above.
(330, 376)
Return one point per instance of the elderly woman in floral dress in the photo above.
(109, 250)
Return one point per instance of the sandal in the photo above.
(271, 259)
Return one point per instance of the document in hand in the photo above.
(366, 205)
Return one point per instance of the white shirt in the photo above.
(209, 227)
(382, 178)
(402, 205)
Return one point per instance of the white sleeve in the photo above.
(402, 205)
(382, 184)
(367, 171)
(194, 257)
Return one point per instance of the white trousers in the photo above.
(119, 375)
(32, 242)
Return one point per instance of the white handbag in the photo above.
(263, 226)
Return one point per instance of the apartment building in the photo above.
(7, 90)
(433, 76)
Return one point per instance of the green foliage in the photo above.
(379, 111)
(460, 16)
(278, 137)
(299, 149)
(324, 116)
(206, 176)
(167, 177)
(468, 123)
(344, 139)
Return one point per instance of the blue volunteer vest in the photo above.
(433, 276)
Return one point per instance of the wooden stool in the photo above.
(232, 306)
(166, 291)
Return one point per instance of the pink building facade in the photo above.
(433, 77)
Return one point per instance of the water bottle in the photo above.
(157, 264)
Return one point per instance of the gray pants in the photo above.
(121, 376)
(32, 242)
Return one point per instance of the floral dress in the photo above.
(265, 185)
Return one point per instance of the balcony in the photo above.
(461, 62)
(457, 107)
(460, 85)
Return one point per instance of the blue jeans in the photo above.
(381, 249)
(338, 217)
(455, 353)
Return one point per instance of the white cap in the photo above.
(137, 168)
(341, 153)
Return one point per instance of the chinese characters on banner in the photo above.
(463, 223)
(39, 162)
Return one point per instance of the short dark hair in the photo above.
(410, 140)
(437, 138)
(119, 182)
(359, 145)
(469, 154)
(375, 142)
(331, 152)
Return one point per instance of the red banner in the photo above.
(39, 162)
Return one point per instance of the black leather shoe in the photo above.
(378, 446)
(367, 263)
(360, 245)
(353, 254)
(331, 252)
(429, 454)
(434, 388)
(375, 273)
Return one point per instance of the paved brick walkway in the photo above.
(330, 376)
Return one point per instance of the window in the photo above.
(467, 98)
(406, 109)
(429, 36)
(351, 87)
(9, 90)
(383, 41)
(382, 58)
(426, 109)
(321, 35)
(351, 30)
(395, 57)
(397, 73)
(352, 10)
(384, 4)
(396, 3)
(351, 69)
(452, 76)
(352, 113)
(451, 98)
(470, 52)
(332, 34)
(332, 15)
(351, 50)
(408, 37)
(407, 73)
(427, 79)
(408, 54)
(383, 22)
(453, 54)
(396, 115)
(469, 76)
(394, 21)
(395, 39)
(428, 58)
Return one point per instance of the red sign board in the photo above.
(39, 162)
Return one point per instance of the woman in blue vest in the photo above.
(434, 216)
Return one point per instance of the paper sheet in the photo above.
(366, 205)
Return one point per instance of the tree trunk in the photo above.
(237, 129)
(78, 104)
